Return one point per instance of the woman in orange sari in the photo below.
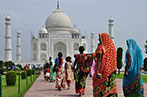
(104, 84)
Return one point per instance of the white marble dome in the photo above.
(43, 30)
(58, 19)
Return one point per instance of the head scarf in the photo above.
(108, 64)
(136, 62)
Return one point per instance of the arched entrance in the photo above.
(60, 47)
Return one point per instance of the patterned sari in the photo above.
(133, 83)
(60, 74)
(106, 86)
(84, 64)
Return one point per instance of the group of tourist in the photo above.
(101, 66)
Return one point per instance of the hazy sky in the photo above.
(130, 19)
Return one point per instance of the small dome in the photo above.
(18, 32)
(111, 19)
(58, 19)
(92, 33)
(75, 30)
(43, 30)
(8, 17)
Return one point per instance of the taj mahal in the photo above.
(57, 35)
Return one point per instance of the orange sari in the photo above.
(106, 86)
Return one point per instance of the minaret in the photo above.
(18, 55)
(111, 32)
(92, 42)
(8, 44)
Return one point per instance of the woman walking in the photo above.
(52, 74)
(104, 84)
(132, 82)
(68, 71)
(83, 64)
(59, 68)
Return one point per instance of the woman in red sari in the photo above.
(104, 84)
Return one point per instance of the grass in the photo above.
(144, 77)
(12, 91)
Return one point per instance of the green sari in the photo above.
(52, 74)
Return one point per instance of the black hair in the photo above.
(81, 49)
(68, 59)
(60, 54)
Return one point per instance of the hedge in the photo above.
(33, 71)
(11, 78)
(23, 75)
(29, 72)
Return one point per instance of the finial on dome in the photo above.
(57, 4)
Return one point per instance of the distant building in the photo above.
(58, 35)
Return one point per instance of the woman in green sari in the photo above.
(52, 74)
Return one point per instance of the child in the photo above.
(68, 71)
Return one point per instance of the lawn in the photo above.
(12, 91)
(144, 77)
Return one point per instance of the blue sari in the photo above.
(133, 83)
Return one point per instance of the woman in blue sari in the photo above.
(60, 74)
(132, 82)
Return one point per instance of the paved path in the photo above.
(43, 88)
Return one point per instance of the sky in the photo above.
(130, 20)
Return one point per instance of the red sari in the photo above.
(106, 86)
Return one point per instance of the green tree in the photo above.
(1, 67)
(145, 64)
(145, 46)
(1, 64)
(119, 58)
(8, 64)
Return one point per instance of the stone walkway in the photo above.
(43, 88)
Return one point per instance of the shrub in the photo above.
(119, 58)
(145, 64)
(29, 72)
(23, 75)
(33, 71)
(1, 70)
(11, 78)
(1, 64)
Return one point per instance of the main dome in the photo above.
(58, 19)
